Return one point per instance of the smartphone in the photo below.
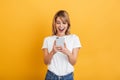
(60, 41)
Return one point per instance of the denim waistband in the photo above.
(53, 74)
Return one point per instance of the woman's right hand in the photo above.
(56, 48)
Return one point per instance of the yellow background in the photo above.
(25, 23)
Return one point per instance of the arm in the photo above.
(47, 56)
(71, 56)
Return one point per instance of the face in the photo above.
(61, 26)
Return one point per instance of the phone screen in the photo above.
(60, 42)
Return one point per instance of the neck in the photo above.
(60, 35)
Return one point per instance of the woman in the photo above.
(60, 60)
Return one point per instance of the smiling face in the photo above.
(61, 26)
(61, 23)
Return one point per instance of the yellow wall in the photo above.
(25, 23)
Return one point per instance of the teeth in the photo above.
(61, 28)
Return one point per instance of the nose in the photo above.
(61, 25)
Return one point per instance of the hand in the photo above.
(56, 48)
(64, 50)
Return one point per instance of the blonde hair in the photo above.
(65, 18)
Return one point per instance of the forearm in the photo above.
(71, 59)
(71, 55)
(47, 58)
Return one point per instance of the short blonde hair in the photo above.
(64, 16)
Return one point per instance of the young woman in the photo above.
(60, 59)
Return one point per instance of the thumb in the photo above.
(55, 42)
(65, 45)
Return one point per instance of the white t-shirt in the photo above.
(60, 64)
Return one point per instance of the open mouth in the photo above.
(61, 29)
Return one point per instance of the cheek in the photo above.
(57, 25)
(66, 26)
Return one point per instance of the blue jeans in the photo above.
(51, 76)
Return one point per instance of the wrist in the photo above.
(52, 52)
(68, 53)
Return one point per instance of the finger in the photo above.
(62, 48)
(59, 48)
(54, 42)
(65, 45)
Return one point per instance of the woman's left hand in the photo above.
(64, 50)
(72, 56)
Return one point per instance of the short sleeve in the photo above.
(76, 42)
(45, 43)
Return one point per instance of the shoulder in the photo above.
(73, 36)
(49, 37)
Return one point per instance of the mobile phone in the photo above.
(60, 41)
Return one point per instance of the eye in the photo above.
(58, 22)
(64, 22)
